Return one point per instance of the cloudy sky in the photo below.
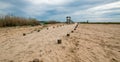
(79, 10)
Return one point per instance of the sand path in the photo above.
(26, 48)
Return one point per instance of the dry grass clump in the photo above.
(7, 21)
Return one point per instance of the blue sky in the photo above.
(79, 10)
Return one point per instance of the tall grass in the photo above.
(7, 21)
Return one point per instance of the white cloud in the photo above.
(2, 12)
(105, 7)
(103, 10)
(49, 2)
(4, 6)
(104, 19)
(40, 7)
(63, 9)
(95, 13)
(98, 10)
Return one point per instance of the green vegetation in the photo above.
(8, 21)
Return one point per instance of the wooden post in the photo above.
(24, 34)
(36, 60)
(72, 31)
(38, 31)
(68, 34)
(59, 41)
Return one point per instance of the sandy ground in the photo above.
(88, 43)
